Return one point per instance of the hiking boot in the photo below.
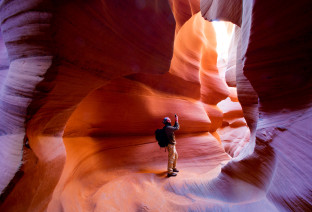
(171, 174)
(175, 170)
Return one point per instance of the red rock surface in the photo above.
(73, 70)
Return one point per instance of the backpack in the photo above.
(161, 137)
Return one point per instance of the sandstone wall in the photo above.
(272, 63)
(115, 68)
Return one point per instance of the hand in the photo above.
(176, 117)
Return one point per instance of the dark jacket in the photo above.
(170, 132)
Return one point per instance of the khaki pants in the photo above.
(172, 157)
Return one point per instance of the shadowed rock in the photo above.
(73, 70)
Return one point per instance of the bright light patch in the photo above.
(223, 38)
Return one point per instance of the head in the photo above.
(167, 120)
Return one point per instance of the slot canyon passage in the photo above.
(85, 84)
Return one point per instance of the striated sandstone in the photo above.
(72, 70)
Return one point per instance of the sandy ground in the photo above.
(129, 173)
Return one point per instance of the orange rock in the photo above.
(103, 112)
(215, 115)
(116, 68)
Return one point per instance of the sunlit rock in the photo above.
(84, 85)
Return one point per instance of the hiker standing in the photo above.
(172, 152)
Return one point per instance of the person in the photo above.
(172, 152)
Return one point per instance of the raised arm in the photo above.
(176, 125)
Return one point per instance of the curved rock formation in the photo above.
(268, 173)
(85, 84)
(49, 47)
(222, 10)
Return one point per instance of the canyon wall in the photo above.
(84, 85)
(272, 63)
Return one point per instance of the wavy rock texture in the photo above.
(222, 10)
(234, 132)
(270, 174)
(52, 44)
(4, 61)
(73, 70)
